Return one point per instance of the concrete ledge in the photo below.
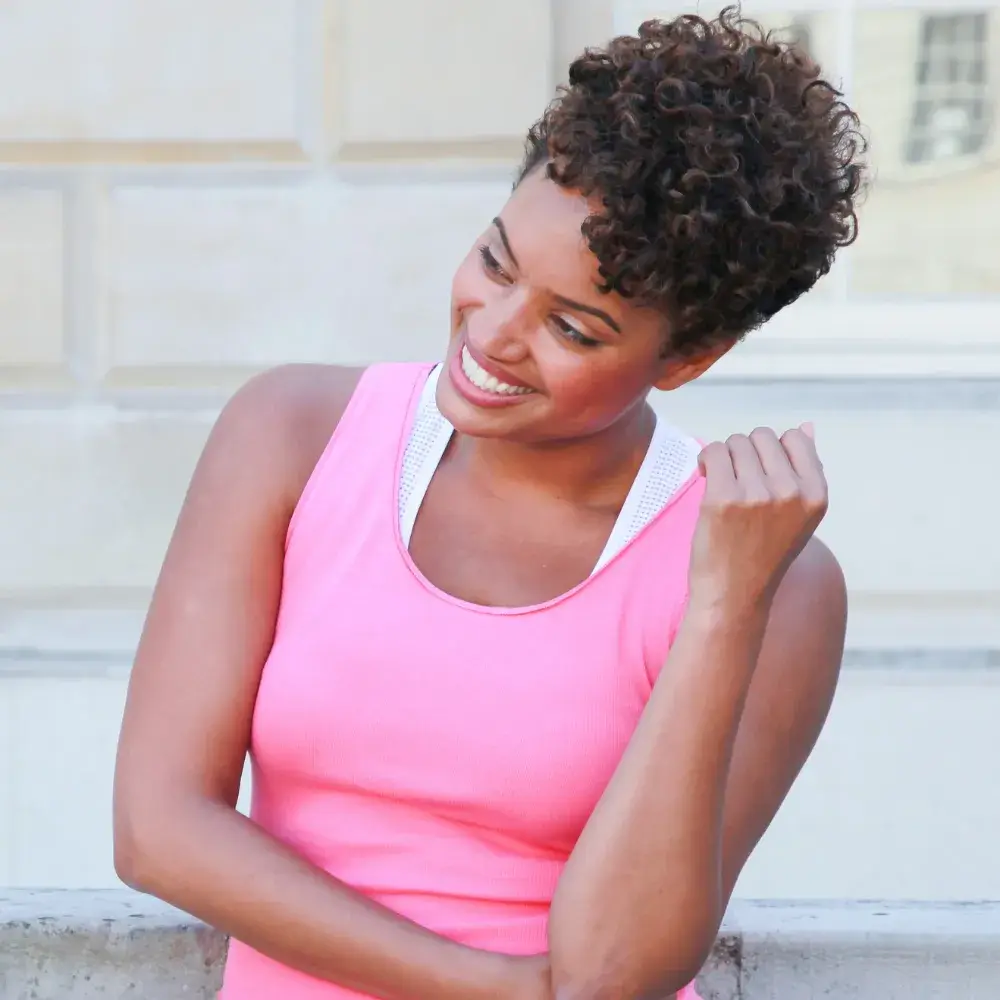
(65, 945)
(57, 945)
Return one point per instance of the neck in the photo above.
(593, 471)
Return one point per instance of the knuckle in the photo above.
(786, 493)
(756, 496)
(817, 500)
(763, 434)
(722, 501)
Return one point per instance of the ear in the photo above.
(679, 370)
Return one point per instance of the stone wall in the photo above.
(89, 945)
(190, 192)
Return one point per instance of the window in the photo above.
(952, 113)
(919, 294)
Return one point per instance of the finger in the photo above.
(774, 461)
(802, 454)
(746, 464)
(716, 465)
(809, 430)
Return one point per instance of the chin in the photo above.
(473, 421)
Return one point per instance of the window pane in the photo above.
(927, 87)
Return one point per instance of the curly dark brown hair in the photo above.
(726, 168)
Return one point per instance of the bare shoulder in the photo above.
(281, 420)
(810, 607)
(800, 660)
(210, 623)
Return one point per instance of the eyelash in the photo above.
(569, 331)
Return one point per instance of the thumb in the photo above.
(809, 430)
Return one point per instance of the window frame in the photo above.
(929, 91)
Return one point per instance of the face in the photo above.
(537, 353)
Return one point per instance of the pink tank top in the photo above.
(440, 756)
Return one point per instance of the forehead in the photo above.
(543, 222)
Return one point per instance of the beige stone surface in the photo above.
(155, 261)
(159, 70)
(253, 276)
(934, 237)
(63, 734)
(89, 499)
(442, 70)
(31, 278)
(891, 804)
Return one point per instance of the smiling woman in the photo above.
(524, 672)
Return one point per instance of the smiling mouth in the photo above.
(486, 382)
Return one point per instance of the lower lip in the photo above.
(473, 394)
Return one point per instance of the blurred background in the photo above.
(191, 192)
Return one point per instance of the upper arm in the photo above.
(209, 627)
(787, 703)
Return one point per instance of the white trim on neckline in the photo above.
(670, 461)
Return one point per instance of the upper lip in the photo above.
(501, 374)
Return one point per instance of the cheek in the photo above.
(593, 383)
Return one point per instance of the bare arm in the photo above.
(734, 714)
(188, 716)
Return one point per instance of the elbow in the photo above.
(635, 973)
(133, 853)
(146, 844)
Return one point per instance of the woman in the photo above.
(433, 602)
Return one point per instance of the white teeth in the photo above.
(483, 380)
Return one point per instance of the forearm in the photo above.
(641, 897)
(225, 870)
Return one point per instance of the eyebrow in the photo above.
(569, 303)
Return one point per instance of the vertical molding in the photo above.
(88, 310)
(312, 30)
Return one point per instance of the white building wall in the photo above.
(191, 192)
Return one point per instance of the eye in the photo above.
(492, 265)
(570, 332)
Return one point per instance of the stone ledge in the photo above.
(66, 945)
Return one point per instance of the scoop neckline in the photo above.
(489, 609)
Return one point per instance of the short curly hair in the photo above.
(726, 169)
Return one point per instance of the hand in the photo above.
(764, 498)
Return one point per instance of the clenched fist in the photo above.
(764, 498)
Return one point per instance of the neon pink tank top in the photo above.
(439, 756)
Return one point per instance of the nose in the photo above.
(500, 328)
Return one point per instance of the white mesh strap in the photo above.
(429, 437)
(670, 461)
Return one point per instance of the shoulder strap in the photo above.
(671, 460)
(429, 435)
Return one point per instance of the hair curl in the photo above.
(727, 170)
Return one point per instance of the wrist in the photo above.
(717, 611)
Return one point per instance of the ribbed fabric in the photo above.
(440, 756)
